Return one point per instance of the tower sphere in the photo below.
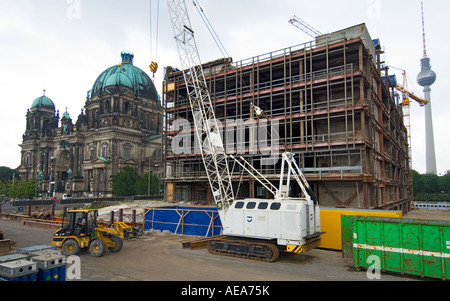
(426, 77)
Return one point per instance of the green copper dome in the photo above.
(126, 75)
(66, 114)
(43, 102)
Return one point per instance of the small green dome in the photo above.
(66, 114)
(126, 75)
(43, 102)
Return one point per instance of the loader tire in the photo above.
(118, 243)
(70, 247)
(97, 248)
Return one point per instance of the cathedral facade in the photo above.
(120, 125)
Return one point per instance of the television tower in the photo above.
(426, 79)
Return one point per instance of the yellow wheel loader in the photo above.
(125, 231)
(80, 230)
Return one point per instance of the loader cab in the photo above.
(79, 223)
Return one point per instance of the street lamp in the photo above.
(150, 177)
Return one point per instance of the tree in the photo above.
(6, 174)
(3, 188)
(431, 183)
(20, 189)
(418, 183)
(445, 182)
(143, 184)
(28, 189)
(124, 182)
(430, 187)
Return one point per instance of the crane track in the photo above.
(244, 249)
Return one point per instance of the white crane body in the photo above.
(290, 221)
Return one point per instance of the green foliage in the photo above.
(6, 174)
(418, 183)
(436, 197)
(430, 187)
(26, 189)
(144, 183)
(445, 182)
(124, 182)
(128, 183)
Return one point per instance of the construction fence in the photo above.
(184, 220)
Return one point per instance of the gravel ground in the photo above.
(159, 256)
(442, 215)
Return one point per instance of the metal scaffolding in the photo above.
(326, 101)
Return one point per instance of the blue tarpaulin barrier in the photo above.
(198, 221)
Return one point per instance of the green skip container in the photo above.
(406, 246)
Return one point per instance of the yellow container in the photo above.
(330, 220)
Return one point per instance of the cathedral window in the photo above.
(107, 107)
(126, 153)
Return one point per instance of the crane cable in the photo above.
(154, 65)
(211, 29)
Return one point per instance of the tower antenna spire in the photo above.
(423, 32)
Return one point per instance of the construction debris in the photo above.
(44, 215)
(200, 243)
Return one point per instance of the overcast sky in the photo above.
(63, 46)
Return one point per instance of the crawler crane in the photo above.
(254, 228)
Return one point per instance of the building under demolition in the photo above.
(331, 102)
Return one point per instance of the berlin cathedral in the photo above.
(120, 125)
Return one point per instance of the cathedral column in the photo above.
(75, 151)
(46, 167)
